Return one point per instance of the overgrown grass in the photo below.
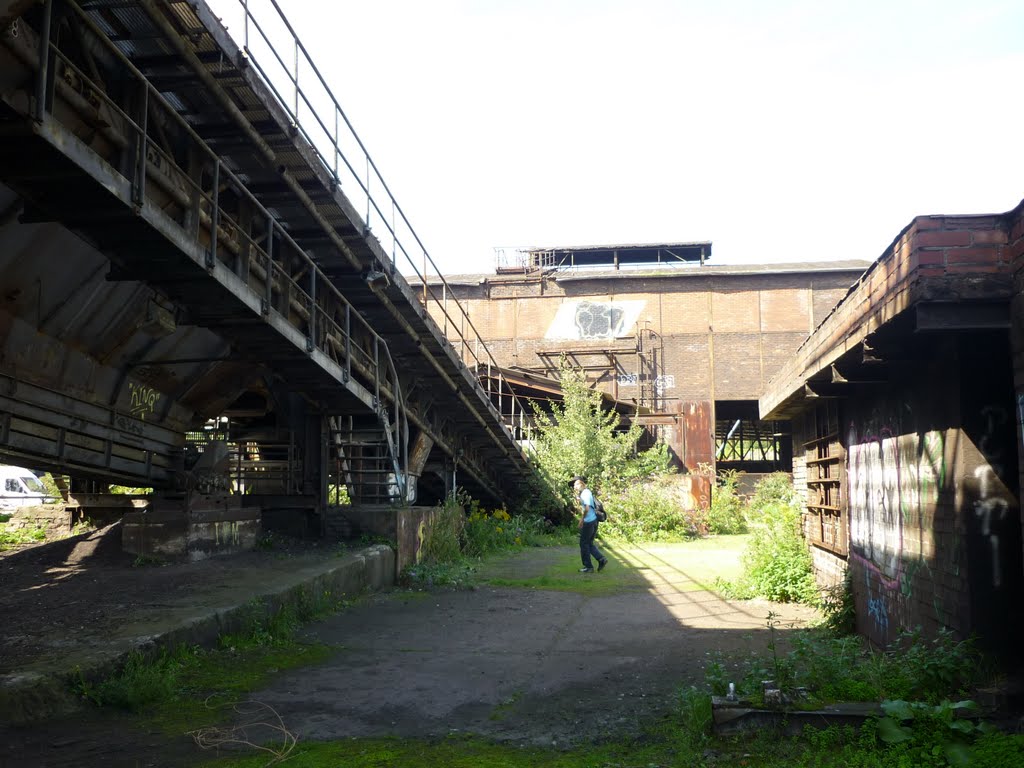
(831, 668)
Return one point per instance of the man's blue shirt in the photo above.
(587, 499)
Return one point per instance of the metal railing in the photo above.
(320, 120)
(324, 315)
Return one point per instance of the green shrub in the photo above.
(929, 669)
(776, 563)
(848, 669)
(725, 515)
(651, 512)
(695, 716)
(452, 538)
(128, 490)
(20, 536)
(941, 734)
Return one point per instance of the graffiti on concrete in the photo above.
(143, 400)
(595, 319)
(991, 508)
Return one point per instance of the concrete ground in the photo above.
(578, 661)
(80, 605)
(524, 665)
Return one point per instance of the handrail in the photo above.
(327, 145)
(320, 315)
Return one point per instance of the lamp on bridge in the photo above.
(377, 280)
(158, 321)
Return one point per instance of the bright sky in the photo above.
(790, 130)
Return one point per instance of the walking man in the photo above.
(588, 527)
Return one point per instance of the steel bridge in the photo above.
(196, 247)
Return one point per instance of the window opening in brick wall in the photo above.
(746, 444)
(826, 524)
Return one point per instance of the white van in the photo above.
(19, 487)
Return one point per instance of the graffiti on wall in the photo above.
(595, 319)
(894, 485)
(991, 507)
(143, 400)
(1020, 415)
(664, 383)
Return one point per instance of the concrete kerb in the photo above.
(34, 695)
(739, 717)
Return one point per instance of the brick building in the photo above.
(906, 407)
(691, 343)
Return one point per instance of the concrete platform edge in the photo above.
(37, 695)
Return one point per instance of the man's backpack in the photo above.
(599, 510)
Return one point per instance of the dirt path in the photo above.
(591, 656)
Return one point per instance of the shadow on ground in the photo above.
(558, 659)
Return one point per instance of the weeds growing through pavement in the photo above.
(845, 669)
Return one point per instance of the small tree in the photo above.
(581, 438)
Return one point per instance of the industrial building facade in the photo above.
(691, 345)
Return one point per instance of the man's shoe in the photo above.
(602, 564)
(586, 570)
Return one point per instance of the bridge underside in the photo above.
(178, 266)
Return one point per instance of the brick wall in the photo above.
(1014, 227)
(829, 570)
(934, 520)
(718, 335)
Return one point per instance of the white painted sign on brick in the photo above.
(595, 319)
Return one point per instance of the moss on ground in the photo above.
(210, 683)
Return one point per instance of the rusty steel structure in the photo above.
(195, 247)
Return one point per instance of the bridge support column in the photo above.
(419, 452)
